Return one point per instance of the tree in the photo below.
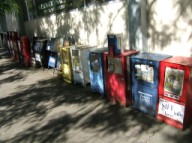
(8, 6)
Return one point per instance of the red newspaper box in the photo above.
(25, 46)
(117, 77)
(175, 96)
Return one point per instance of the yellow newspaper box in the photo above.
(66, 65)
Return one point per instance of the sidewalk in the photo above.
(37, 107)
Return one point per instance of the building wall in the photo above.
(89, 25)
(170, 27)
(12, 22)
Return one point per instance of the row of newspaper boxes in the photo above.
(156, 84)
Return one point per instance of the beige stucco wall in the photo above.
(170, 27)
(89, 25)
(12, 22)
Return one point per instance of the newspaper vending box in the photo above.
(79, 57)
(66, 65)
(175, 96)
(145, 81)
(96, 70)
(117, 77)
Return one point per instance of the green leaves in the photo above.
(9, 6)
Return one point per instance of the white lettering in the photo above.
(42, 6)
(51, 3)
(145, 97)
(46, 5)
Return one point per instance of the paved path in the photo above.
(37, 107)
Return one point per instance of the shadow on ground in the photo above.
(39, 99)
(12, 71)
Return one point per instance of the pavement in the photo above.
(39, 107)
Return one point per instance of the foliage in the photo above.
(8, 6)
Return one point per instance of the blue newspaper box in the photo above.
(145, 81)
(96, 70)
(114, 44)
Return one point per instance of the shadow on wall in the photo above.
(111, 21)
(87, 25)
(170, 23)
(70, 24)
(134, 12)
(47, 26)
(64, 25)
